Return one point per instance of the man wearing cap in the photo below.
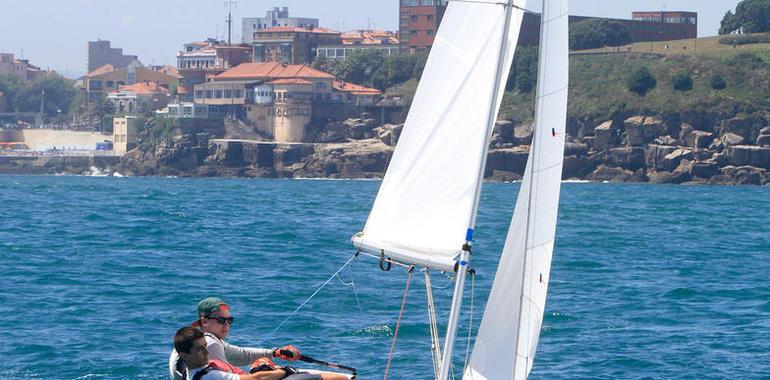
(214, 320)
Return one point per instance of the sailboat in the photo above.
(425, 212)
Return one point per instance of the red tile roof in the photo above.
(290, 81)
(355, 89)
(144, 88)
(297, 29)
(169, 70)
(101, 70)
(271, 70)
(369, 37)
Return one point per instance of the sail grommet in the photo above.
(385, 265)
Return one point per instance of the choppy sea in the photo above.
(648, 281)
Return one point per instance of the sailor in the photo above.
(190, 343)
(214, 321)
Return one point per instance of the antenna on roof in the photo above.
(229, 4)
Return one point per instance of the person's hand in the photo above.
(289, 353)
(262, 364)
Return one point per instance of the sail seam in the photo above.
(555, 18)
(549, 167)
(558, 90)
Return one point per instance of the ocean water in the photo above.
(648, 281)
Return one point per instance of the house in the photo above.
(385, 41)
(276, 99)
(100, 53)
(139, 98)
(291, 45)
(273, 18)
(108, 78)
(200, 60)
(9, 64)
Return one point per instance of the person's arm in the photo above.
(265, 375)
(240, 356)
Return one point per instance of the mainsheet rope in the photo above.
(332, 277)
(398, 322)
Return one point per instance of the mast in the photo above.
(464, 261)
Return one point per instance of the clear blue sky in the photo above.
(53, 33)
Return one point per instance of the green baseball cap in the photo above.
(210, 305)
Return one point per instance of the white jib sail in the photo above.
(425, 202)
(507, 338)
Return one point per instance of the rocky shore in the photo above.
(699, 149)
(691, 149)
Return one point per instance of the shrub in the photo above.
(717, 82)
(681, 82)
(746, 60)
(595, 33)
(641, 81)
(746, 39)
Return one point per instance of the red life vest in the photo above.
(219, 365)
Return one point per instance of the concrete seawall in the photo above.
(55, 164)
(44, 139)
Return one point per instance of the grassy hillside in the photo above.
(598, 81)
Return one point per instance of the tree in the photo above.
(58, 94)
(751, 16)
(681, 82)
(11, 85)
(641, 81)
(523, 70)
(595, 33)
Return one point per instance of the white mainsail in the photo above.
(426, 202)
(507, 338)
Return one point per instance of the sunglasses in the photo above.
(223, 320)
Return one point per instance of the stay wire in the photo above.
(275, 330)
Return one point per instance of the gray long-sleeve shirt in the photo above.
(238, 356)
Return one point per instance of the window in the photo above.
(228, 94)
(209, 94)
(414, 18)
(218, 94)
(430, 17)
(198, 94)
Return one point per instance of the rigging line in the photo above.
(352, 285)
(398, 322)
(355, 292)
(434, 335)
(272, 333)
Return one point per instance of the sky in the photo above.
(54, 33)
